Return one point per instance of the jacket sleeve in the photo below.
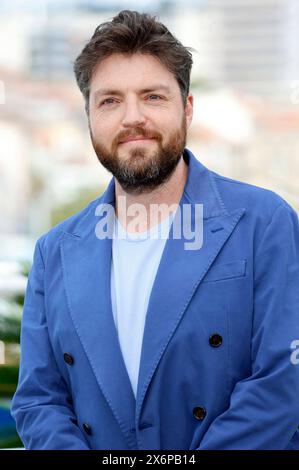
(264, 407)
(42, 405)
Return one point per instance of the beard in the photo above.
(142, 169)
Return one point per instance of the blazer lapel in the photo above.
(180, 271)
(86, 262)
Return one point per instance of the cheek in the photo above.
(164, 126)
(102, 129)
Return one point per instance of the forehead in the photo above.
(137, 70)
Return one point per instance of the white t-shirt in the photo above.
(135, 261)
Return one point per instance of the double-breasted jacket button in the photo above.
(87, 428)
(199, 412)
(68, 359)
(215, 340)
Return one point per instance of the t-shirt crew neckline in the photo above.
(160, 230)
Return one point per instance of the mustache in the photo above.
(138, 131)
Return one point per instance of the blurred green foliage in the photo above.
(75, 204)
(8, 380)
(10, 328)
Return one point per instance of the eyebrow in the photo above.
(104, 91)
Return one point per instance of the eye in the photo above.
(156, 96)
(107, 101)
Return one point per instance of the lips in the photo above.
(133, 138)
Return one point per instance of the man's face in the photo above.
(137, 120)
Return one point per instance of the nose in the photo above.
(133, 115)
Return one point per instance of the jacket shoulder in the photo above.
(69, 225)
(256, 200)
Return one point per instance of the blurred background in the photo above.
(245, 82)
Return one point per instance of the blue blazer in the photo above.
(219, 364)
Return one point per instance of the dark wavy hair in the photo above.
(131, 32)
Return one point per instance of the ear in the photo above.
(189, 109)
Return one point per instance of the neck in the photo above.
(168, 194)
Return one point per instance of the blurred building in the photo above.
(251, 45)
(248, 138)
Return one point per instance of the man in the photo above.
(132, 342)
